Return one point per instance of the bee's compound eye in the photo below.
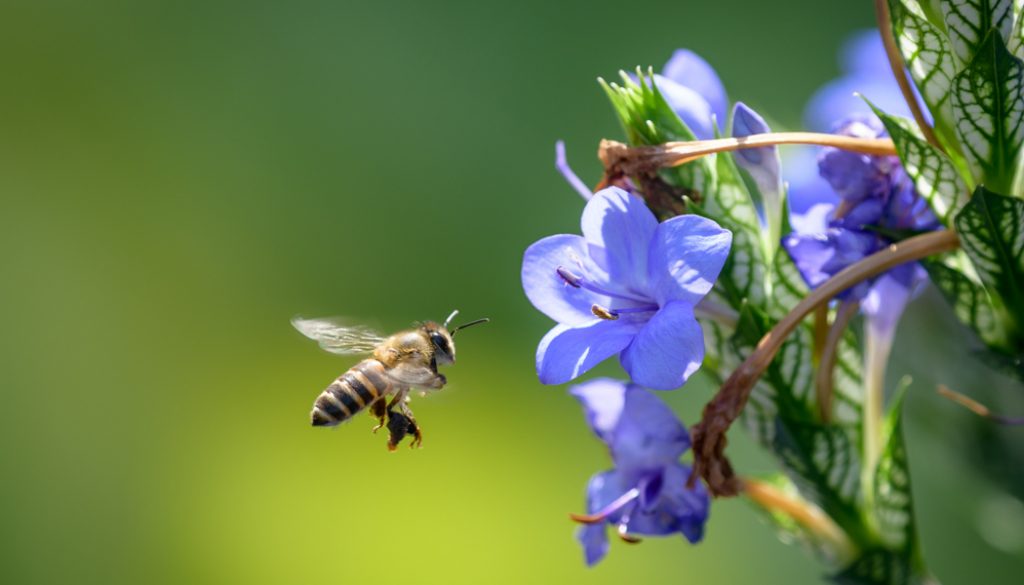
(438, 340)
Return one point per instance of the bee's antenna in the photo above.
(450, 317)
(470, 324)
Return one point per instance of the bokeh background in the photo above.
(178, 179)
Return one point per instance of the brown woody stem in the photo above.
(829, 353)
(620, 159)
(709, 436)
(899, 72)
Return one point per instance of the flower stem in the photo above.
(899, 72)
(810, 517)
(709, 440)
(621, 159)
(829, 354)
(877, 347)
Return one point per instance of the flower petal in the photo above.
(890, 294)
(566, 352)
(594, 539)
(668, 350)
(618, 228)
(603, 400)
(647, 436)
(686, 256)
(677, 509)
(762, 164)
(689, 70)
(690, 106)
(548, 291)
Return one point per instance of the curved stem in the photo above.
(709, 440)
(618, 158)
(810, 517)
(829, 354)
(899, 72)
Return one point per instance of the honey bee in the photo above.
(400, 363)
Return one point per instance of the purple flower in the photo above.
(646, 493)
(628, 286)
(692, 88)
(877, 202)
(866, 71)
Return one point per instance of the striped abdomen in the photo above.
(354, 390)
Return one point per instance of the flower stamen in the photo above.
(613, 314)
(608, 510)
(623, 530)
(577, 281)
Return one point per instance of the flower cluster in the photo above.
(646, 493)
(629, 286)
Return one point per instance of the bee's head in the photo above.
(441, 340)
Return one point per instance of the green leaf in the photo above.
(880, 567)
(988, 101)
(822, 460)
(893, 499)
(649, 120)
(929, 58)
(732, 207)
(968, 21)
(1016, 43)
(991, 228)
(971, 303)
(934, 174)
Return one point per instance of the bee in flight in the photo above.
(400, 363)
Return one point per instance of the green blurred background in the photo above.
(180, 178)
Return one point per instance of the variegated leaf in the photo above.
(991, 229)
(893, 500)
(934, 175)
(881, 567)
(731, 206)
(989, 108)
(968, 21)
(928, 56)
(1016, 43)
(971, 303)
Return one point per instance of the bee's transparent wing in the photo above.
(335, 335)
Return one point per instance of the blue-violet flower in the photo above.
(877, 203)
(646, 493)
(628, 286)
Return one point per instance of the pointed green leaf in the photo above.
(649, 120)
(934, 175)
(971, 303)
(732, 207)
(991, 229)
(929, 58)
(988, 103)
(893, 500)
(968, 21)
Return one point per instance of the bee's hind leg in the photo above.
(378, 410)
(400, 424)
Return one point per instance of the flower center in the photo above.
(577, 281)
(613, 314)
(622, 527)
(608, 510)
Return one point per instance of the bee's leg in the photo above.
(378, 410)
(411, 426)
